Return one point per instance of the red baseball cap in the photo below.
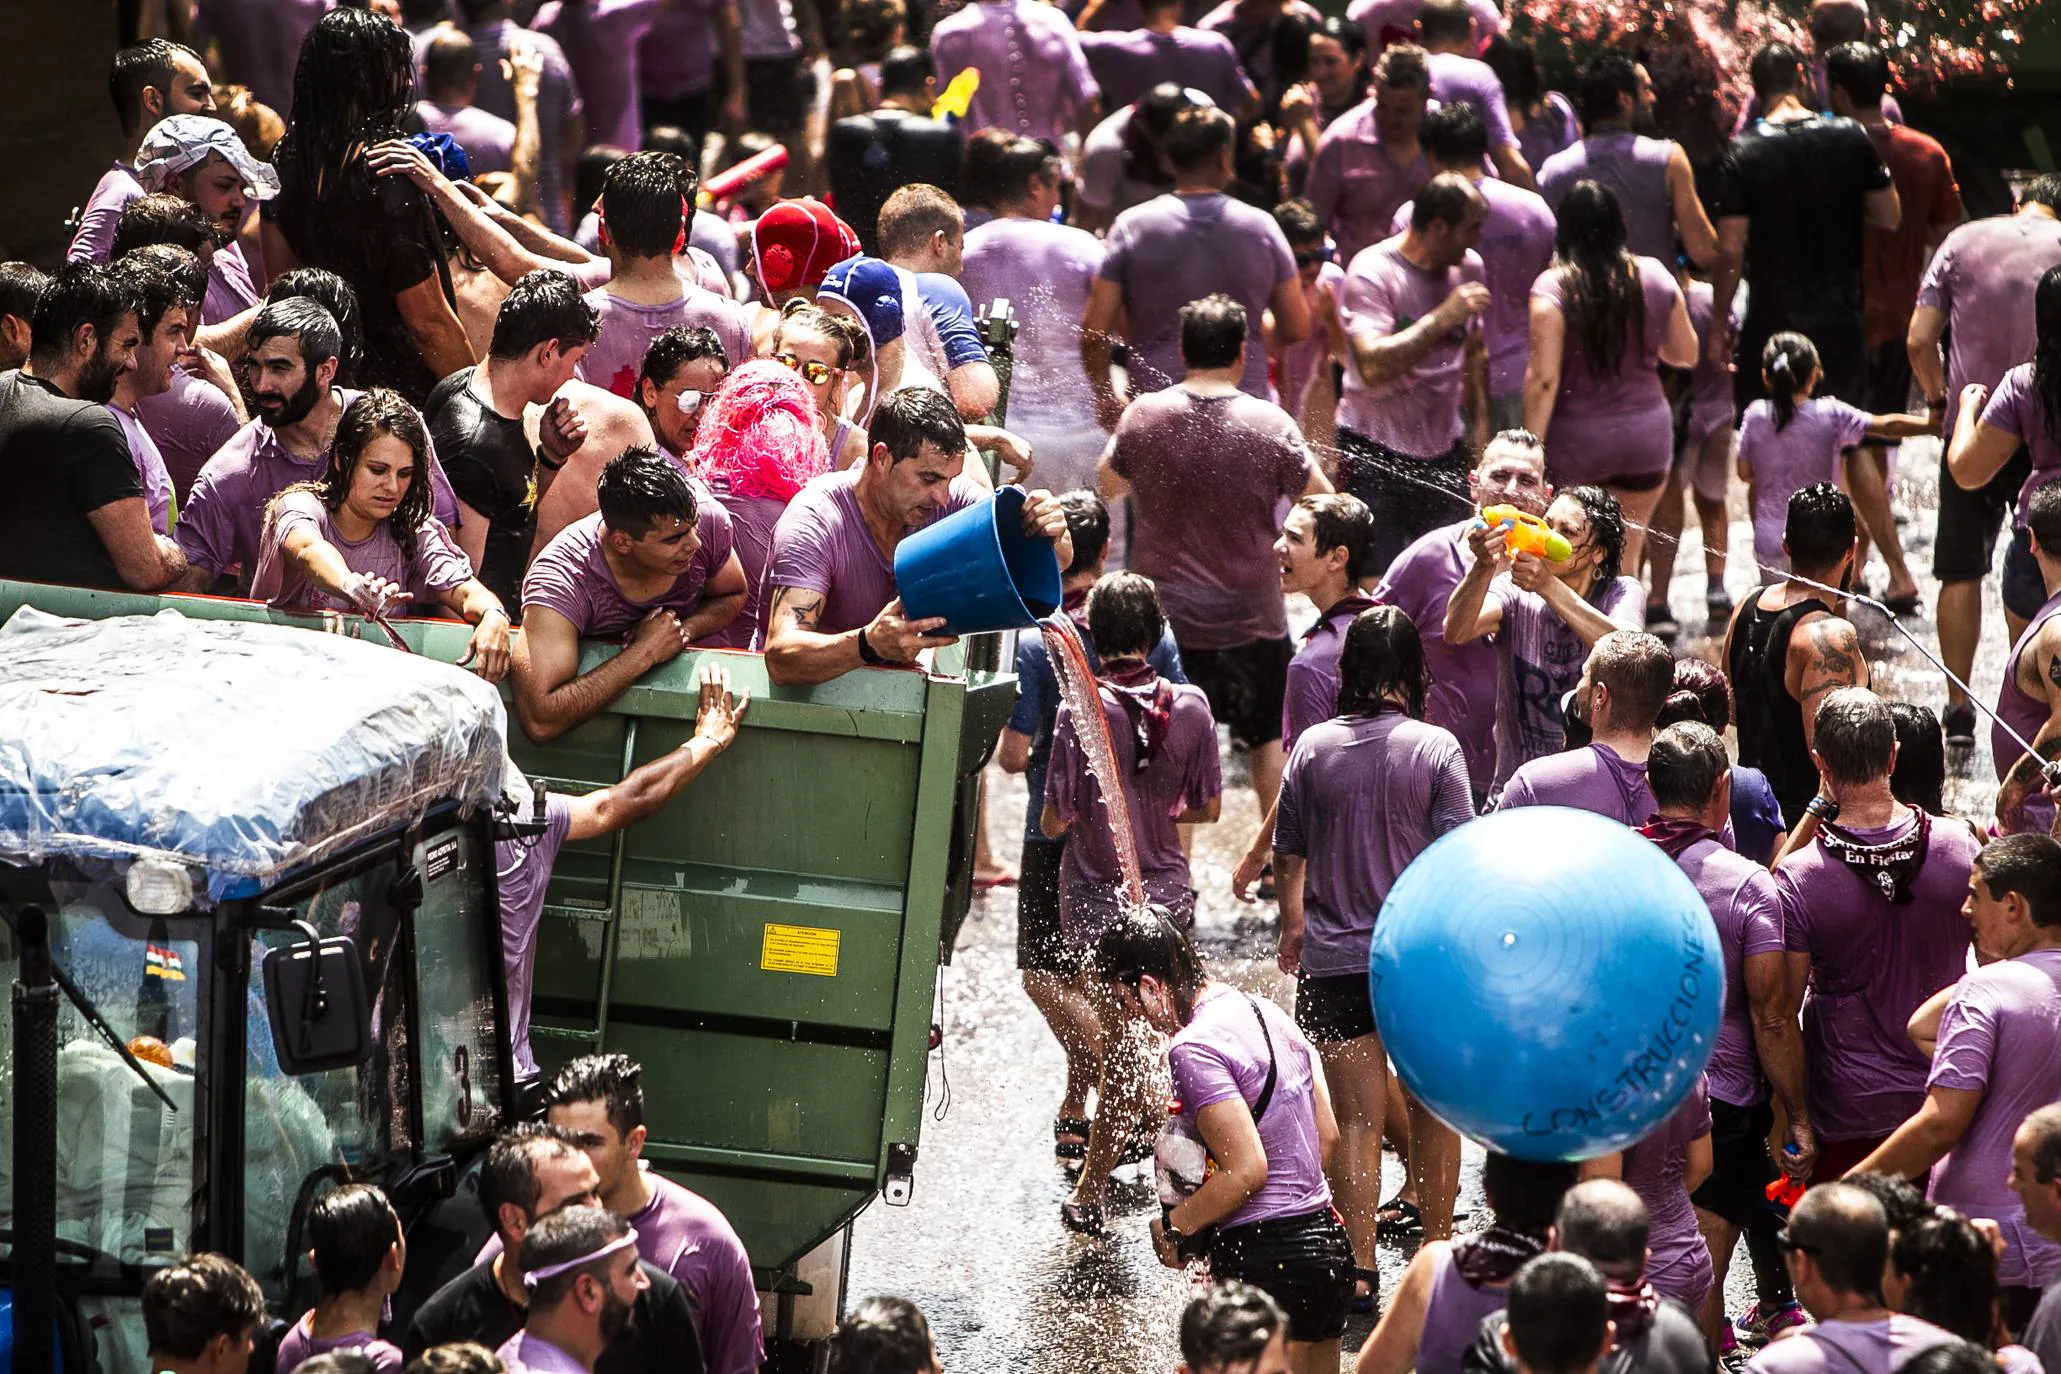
(796, 242)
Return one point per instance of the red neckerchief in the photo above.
(1632, 1307)
(1493, 1255)
(1147, 700)
(1075, 604)
(1674, 834)
(1346, 607)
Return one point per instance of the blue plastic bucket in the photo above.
(978, 569)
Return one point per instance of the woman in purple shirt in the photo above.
(359, 1255)
(1250, 1093)
(1602, 322)
(1663, 1169)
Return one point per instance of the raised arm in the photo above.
(645, 792)
(1470, 613)
(1383, 358)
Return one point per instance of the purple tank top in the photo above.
(1634, 167)
(1452, 1316)
(2014, 707)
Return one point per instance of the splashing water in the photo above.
(1077, 686)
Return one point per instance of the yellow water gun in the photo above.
(958, 96)
(1528, 533)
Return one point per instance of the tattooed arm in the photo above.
(799, 654)
(1824, 655)
(2039, 676)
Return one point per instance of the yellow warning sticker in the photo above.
(800, 949)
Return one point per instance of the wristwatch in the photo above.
(544, 460)
(867, 653)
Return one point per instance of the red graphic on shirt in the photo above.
(624, 383)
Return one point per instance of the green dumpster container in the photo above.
(767, 947)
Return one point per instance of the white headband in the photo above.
(534, 1277)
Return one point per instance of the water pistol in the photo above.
(1528, 533)
(958, 96)
(728, 183)
(1785, 1191)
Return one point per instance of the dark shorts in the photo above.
(1409, 496)
(1305, 1263)
(2025, 590)
(1336, 1009)
(694, 114)
(1889, 380)
(2015, 1304)
(1740, 1167)
(1041, 947)
(777, 92)
(1842, 353)
(1966, 541)
(1245, 686)
(1836, 1158)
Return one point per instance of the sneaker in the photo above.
(1756, 1328)
(1959, 723)
(1782, 1318)
(1660, 621)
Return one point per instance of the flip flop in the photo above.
(1398, 1219)
(1907, 604)
(1065, 1126)
(990, 884)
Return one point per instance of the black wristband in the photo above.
(544, 460)
(867, 653)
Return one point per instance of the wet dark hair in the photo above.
(1605, 303)
(1775, 70)
(335, 295)
(1349, 34)
(1145, 940)
(1701, 694)
(79, 293)
(1787, 362)
(20, 287)
(1445, 20)
(508, 1175)
(1145, 137)
(313, 329)
(643, 205)
(636, 487)
(1017, 162)
(2043, 516)
(448, 62)
(1340, 520)
(1607, 78)
(1951, 1357)
(186, 270)
(2044, 189)
(1517, 67)
(2046, 350)
(1087, 520)
(1454, 136)
(1685, 764)
(1445, 199)
(1559, 1313)
(869, 25)
(904, 70)
(986, 175)
(1298, 221)
(674, 349)
(1229, 1326)
(162, 218)
(1212, 331)
(1197, 136)
(1919, 778)
(188, 1304)
(906, 420)
(155, 292)
(1855, 736)
(590, 173)
(1403, 66)
(1902, 1204)
(378, 413)
(1526, 1193)
(351, 1230)
(1382, 655)
(352, 87)
(1950, 1275)
(1606, 527)
(337, 1362)
(2029, 866)
(543, 305)
(568, 1234)
(1859, 69)
(1819, 527)
(148, 63)
(881, 1336)
(1124, 616)
(613, 1080)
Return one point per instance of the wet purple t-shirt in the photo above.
(1045, 271)
(1786, 460)
(1634, 168)
(1312, 694)
(1182, 776)
(436, 565)
(1461, 80)
(1207, 471)
(230, 288)
(2015, 409)
(1464, 680)
(1981, 277)
(1128, 64)
(822, 545)
(1592, 778)
(1034, 78)
(571, 575)
(1872, 965)
(685, 1234)
(1710, 386)
(627, 329)
(1619, 424)
(95, 239)
(1540, 660)
(298, 1345)
(1680, 1265)
(522, 872)
(1221, 1055)
(1174, 249)
(188, 423)
(150, 467)
(677, 56)
(1841, 1347)
(1745, 905)
(600, 40)
(1516, 246)
(1385, 293)
(1356, 185)
(1361, 797)
(1998, 1037)
(2016, 708)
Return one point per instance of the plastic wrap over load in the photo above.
(245, 750)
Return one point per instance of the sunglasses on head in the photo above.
(813, 372)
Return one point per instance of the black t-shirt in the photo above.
(871, 156)
(492, 469)
(59, 459)
(1672, 1345)
(380, 235)
(1803, 187)
(659, 1340)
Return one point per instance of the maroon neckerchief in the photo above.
(1075, 604)
(1346, 607)
(1632, 1307)
(1674, 834)
(1492, 1256)
(1890, 868)
(1147, 700)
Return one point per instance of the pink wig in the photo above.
(759, 433)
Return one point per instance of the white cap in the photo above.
(178, 143)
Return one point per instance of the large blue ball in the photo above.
(1547, 982)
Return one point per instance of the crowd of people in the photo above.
(429, 313)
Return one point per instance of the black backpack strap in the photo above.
(1266, 1094)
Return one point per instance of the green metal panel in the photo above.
(773, 1085)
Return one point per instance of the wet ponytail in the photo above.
(1787, 363)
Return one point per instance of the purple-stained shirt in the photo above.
(558, 103)
(1619, 425)
(1679, 1266)
(230, 288)
(1460, 80)
(1128, 64)
(1592, 778)
(1710, 385)
(1516, 246)
(752, 522)
(1207, 472)
(488, 139)
(523, 1353)
(1395, 21)
(1464, 680)
(1385, 293)
(1252, 37)
(436, 564)
(571, 575)
(299, 1343)
(1361, 797)
(1183, 774)
(2015, 707)
(1842, 1347)
(678, 55)
(822, 545)
(95, 238)
(1744, 903)
(1174, 249)
(686, 1235)
(1221, 1055)
(1045, 271)
(1453, 1314)
(1979, 276)
(150, 467)
(1355, 185)
(522, 872)
(188, 423)
(1034, 78)
(1872, 966)
(1634, 168)
(1104, 172)
(1552, 129)
(1786, 460)
(1312, 693)
(1539, 660)
(2015, 409)
(2001, 1036)
(600, 40)
(1298, 366)
(626, 330)
(261, 42)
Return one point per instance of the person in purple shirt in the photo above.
(1759, 1046)
(1250, 1092)
(579, 1266)
(1997, 1058)
(1624, 683)
(194, 414)
(1871, 918)
(1034, 78)
(203, 1312)
(360, 1254)
(163, 314)
(201, 159)
(2029, 701)
(560, 111)
(1366, 790)
(1369, 161)
(677, 75)
(1192, 242)
(149, 81)
(830, 602)
(2035, 1174)
(1459, 77)
(656, 567)
(600, 40)
(450, 81)
(1670, 1163)
(1416, 374)
(1338, 76)
(1258, 31)
(1544, 120)
(600, 1100)
(1323, 553)
(1127, 64)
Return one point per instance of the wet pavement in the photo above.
(980, 1247)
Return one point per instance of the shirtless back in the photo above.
(614, 423)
